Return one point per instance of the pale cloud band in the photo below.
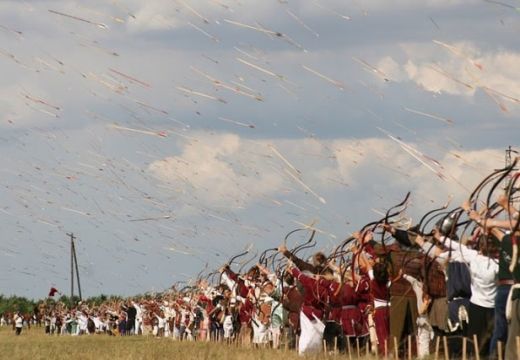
(459, 69)
(225, 169)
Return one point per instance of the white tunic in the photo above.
(483, 270)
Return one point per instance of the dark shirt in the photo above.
(402, 237)
(131, 312)
(301, 264)
(504, 260)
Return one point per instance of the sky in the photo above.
(171, 134)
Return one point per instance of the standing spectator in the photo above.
(131, 313)
(161, 324)
(18, 323)
(138, 318)
(122, 325)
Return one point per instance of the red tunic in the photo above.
(315, 292)
(379, 291)
(242, 289)
(346, 312)
(363, 298)
(245, 312)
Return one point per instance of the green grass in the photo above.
(34, 344)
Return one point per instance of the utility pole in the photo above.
(509, 161)
(73, 267)
(509, 156)
(72, 237)
(77, 270)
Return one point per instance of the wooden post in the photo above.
(358, 351)
(336, 345)
(437, 347)
(475, 343)
(349, 349)
(499, 350)
(386, 349)
(518, 345)
(297, 342)
(396, 348)
(325, 347)
(464, 348)
(409, 347)
(286, 347)
(446, 350)
(367, 348)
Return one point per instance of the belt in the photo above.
(346, 307)
(506, 282)
(378, 303)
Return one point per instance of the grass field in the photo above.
(34, 344)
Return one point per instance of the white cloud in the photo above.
(154, 15)
(459, 69)
(391, 68)
(217, 170)
(225, 169)
(357, 158)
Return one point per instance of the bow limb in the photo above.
(475, 194)
(247, 262)
(513, 227)
(387, 216)
(425, 216)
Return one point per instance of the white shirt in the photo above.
(230, 283)
(97, 322)
(161, 322)
(169, 313)
(138, 311)
(483, 270)
(18, 320)
(82, 322)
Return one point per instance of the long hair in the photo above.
(381, 273)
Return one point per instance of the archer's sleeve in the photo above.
(302, 265)
(305, 280)
(231, 275)
(228, 281)
(467, 254)
(402, 237)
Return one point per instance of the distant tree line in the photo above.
(19, 303)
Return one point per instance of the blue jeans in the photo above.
(500, 330)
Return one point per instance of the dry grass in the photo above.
(34, 344)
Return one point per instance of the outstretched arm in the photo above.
(302, 265)
(489, 222)
(430, 249)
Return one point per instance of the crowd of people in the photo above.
(388, 288)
